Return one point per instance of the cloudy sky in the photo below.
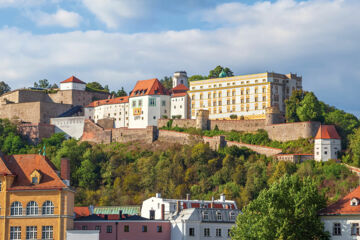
(118, 42)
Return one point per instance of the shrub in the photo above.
(164, 117)
(233, 116)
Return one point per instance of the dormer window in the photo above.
(354, 202)
(35, 180)
(35, 177)
(205, 215)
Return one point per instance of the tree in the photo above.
(310, 109)
(355, 147)
(167, 82)
(54, 86)
(197, 77)
(292, 104)
(216, 71)
(121, 92)
(4, 88)
(287, 210)
(43, 83)
(95, 86)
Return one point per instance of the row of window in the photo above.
(233, 83)
(228, 94)
(355, 229)
(219, 216)
(32, 208)
(144, 228)
(207, 232)
(32, 232)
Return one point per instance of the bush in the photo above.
(164, 117)
(233, 116)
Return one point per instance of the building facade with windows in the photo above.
(35, 202)
(245, 96)
(148, 102)
(180, 102)
(327, 143)
(342, 219)
(115, 108)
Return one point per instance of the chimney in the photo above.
(158, 195)
(222, 198)
(120, 214)
(212, 202)
(162, 211)
(188, 196)
(65, 171)
(178, 206)
(91, 209)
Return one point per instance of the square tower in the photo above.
(327, 143)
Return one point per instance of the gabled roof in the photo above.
(148, 87)
(81, 211)
(23, 165)
(327, 132)
(4, 170)
(117, 100)
(73, 79)
(343, 206)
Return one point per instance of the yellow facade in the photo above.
(60, 221)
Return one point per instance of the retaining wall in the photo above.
(268, 151)
(123, 135)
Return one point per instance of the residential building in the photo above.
(342, 219)
(35, 202)
(115, 108)
(203, 223)
(123, 227)
(180, 102)
(245, 96)
(149, 101)
(327, 143)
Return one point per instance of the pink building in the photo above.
(128, 227)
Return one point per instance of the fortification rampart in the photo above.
(268, 151)
(34, 133)
(183, 123)
(95, 133)
(123, 135)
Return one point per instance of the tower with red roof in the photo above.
(73, 83)
(327, 143)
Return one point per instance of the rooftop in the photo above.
(343, 206)
(327, 132)
(117, 100)
(148, 87)
(73, 79)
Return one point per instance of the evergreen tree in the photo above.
(310, 109)
(216, 72)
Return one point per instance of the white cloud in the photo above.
(20, 3)
(318, 39)
(61, 18)
(113, 12)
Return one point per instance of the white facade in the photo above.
(247, 95)
(117, 111)
(146, 110)
(72, 86)
(342, 227)
(202, 223)
(179, 106)
(82, 235)
(180, 78)
(326, 149)
(73, 127)
(152, 207)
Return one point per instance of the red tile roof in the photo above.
(180, 88)
(179, 94)
(117, 100)
(23, 165)
(343, 205)
(73, 79)
(149, 87)
(327, 132)
(81, 211)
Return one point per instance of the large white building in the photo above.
(327, 143)
(342, 219)
(245, 96)
(148, 102)
(193, 219)
(115, 108)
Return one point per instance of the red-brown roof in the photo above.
(181, 87)
(82, 211)
(148, 87)
(343, 205)
(327, 132)
(22, 167)
(73, 79)
(178, 94)
(117, 100)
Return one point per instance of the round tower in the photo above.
(180, 78)
(273, 116)
(202, 119)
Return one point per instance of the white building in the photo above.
(180, 102)
(148, 102)
(115, 108)
(327, 143)
(82, 235)
(342, 219)
(73, 127)
(73, 83)
(245, 95)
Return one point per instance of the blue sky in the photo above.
(118, 42)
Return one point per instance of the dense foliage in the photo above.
(287, 210)
(4, 88)
(214, 73)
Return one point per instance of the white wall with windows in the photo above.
(73, 127)
(119, 112)
(72, 86)
(179, 107)
(344, 227)
(326, 149)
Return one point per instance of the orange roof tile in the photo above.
(327, 132)
(148, 87)
(82, 211)
(73, 79)
(343, 205)
(117, 100)
(180, 87)
(23, 165)
(3, 168)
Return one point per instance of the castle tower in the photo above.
(180, 78)
(202, 119)
(327, 143)
(273, 116)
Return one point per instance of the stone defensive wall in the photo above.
(95, 133)
(277, 132)
(268, 151)
(35, 132)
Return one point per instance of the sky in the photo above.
(118, 42)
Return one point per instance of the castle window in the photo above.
(206, 215)
(206, 232)
(218, 216)
(355, 229)
(152, 102)
(15, 232)
(126, 228)
(163, 103)
(47, 232)
(337, 229)
(232, 216)
(144, 228)
(16, 209)
(159, 228)
(32, 208)
(31, 232)
(109, 229)
(34, 180)
(192, 232)
(48, 208)
(218, 232)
